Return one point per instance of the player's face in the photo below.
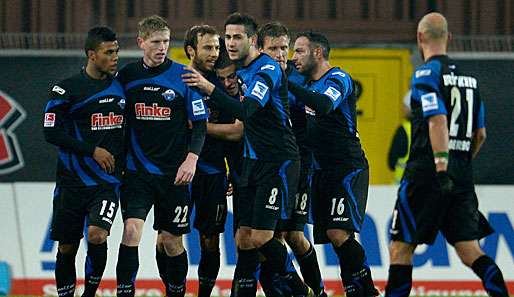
(105, 57)
(227, 76)
(277, 48)
(237, 42)
(303, 56)
(207, 52)
(155, 47)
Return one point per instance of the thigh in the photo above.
(463, 221)
(69, 213)
(319, 208)
(301, 209)
(103, 206)
(137, 196)
(210, 203)
(172, 207)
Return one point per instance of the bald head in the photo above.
(434, 27)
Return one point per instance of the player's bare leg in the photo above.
(399, 282)
(128, 258)
(95, 260)
(484, 267)
(355, 272)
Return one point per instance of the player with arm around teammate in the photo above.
(84, 119)
(437, 192)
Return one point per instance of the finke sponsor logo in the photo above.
(152, 112)
(11, 115)
(107, 122)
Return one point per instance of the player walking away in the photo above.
(159, 168)
(340, 185)
(201, 45)
(84, 119)
(437, 191)
(273, 39)
(270, 165)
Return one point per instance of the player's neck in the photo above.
(92, 72)
(320, 70)
(252, 54)
(195, 67)
(433, 50)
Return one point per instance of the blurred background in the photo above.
(41, 42)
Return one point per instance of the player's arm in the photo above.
(240, 110)
(56, 115)
(438, 133)
(479, 133)
(399, 147)
(321, 103)
(198, 115)
(230, 132)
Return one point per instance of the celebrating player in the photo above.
(84, 119)
(437, 192)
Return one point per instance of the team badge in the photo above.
(121, 103)
(169, 95)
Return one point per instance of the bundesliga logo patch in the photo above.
(259, 90)
(198, 107)
(49, 120)
(429, 102)
(333, 93)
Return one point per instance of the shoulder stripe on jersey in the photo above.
(114, 89)
(149, 166)
(55, 102)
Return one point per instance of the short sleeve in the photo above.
(196, 106)
(426, 90)
(260, 90)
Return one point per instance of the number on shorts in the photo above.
(273, 196)
(180, 211)
(337, 206)
(110, 211)
(303, 203)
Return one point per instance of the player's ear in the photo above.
(253, 40)
(91, 54)
(140, 42)
(191, 51)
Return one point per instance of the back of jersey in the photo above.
(440, 88)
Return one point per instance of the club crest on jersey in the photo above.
(152, 113)
(259, 90)
(429, 102)
(169, 95)
(198, 107)
(108, 122)
(333, 93)
(11, 115)
(121, 103)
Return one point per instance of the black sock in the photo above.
(95, 266)
(400, 280)
(273, 285)
(208, 272)
(176, 273)
(160, 258)
(355, 273)
(276, 254)
(491, 276)
(126, 270)
(310, 270)
(65, 274)
(245, 274)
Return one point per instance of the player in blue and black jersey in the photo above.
(161, 158)
(437, 191)
(84, 119)
(340, 182)
(273, 39)
(271, 159)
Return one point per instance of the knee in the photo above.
(243, 239)
(210, 243)
(172, 244)
(338, 236)
(68, 249)
(468, 252)
(298, 243)
(96, 235)
(401, 253)
(132, 232)
(259, 237)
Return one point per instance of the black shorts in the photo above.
(73, 205)
(172, 204)
(210, 202)
(421, 211)
(339, 198)
(264, 192)
(302, 205)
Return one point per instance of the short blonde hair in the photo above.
(151, 24)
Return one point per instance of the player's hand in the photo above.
(104, 159)
(445, 182)
(186, 171)
(196, 79)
